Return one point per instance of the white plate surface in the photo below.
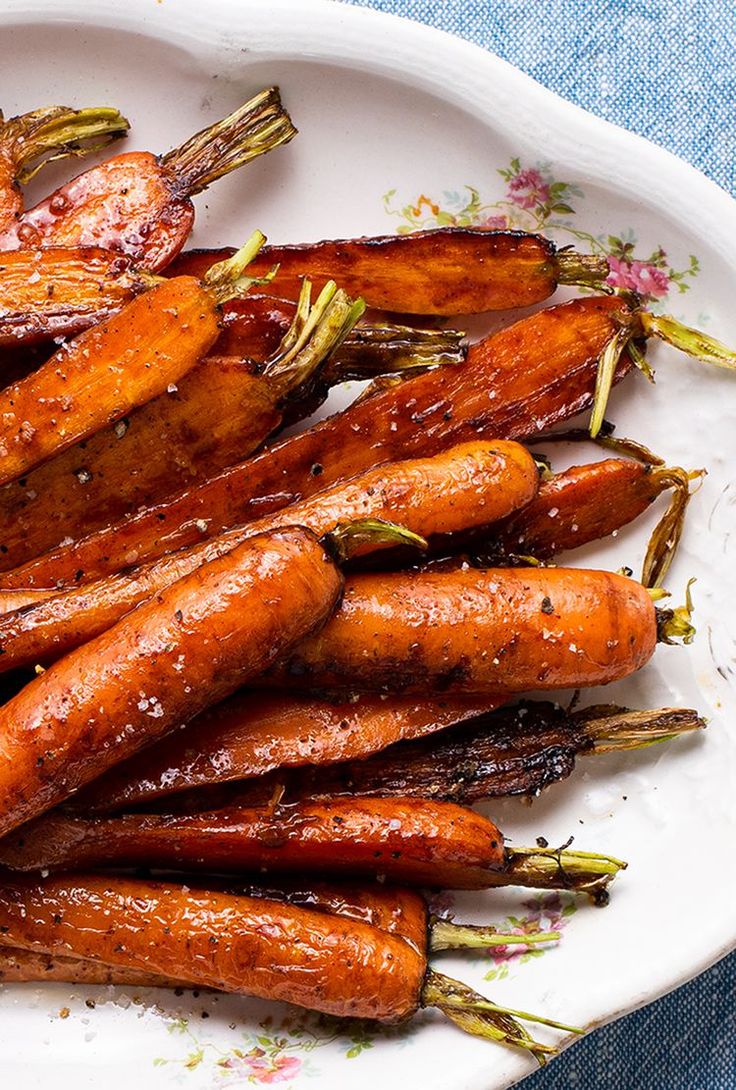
(388, 107)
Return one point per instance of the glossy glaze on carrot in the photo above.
(216, 940)
(189, 647)
(494, 630)
(453, 270)
(514, 384)
(468, 486)
(252, 733)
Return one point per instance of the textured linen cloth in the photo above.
(665, 69)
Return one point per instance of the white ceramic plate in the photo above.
(401, 125)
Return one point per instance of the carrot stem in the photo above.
(612, 728)
(560, 868)
(676, 624)
(227, 279)
(372, 350)
(691, 341)
(447, 935)
(581, 270)
(349, 538)
(57, 132)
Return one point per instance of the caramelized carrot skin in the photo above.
(128, 204)
(206, 421)
(407, 841)
(29, 966)
(471, 631)
(189, 647)
(582, 504)
(466, 487)
(454, 270)
(253, 733)
(215, 940)
(59, 292)
(541, 370)
(104, 373)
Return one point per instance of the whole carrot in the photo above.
(253, 733)
(453, 270)
(110, 369)
(192, 645)
(140, 204)
(470, 485)
(249, 946)
(497, 630)
(30, 140)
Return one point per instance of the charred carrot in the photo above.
(249, 946)
(110, 369)
(539, 371)
(453, 270)
(140, 204)
(253, 733)
(513, 751)
(217, 412)
(52, 293)
(469, 485)
(195, 643)
(30, 140)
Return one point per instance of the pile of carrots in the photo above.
(277, 671)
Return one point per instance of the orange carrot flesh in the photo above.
(540, 370)
(253, 733)
(469, 485)
(60, 292)
(191, 646)
(217, 940)
(453, 270)
(497, 630)
(104, 373)
(408, 841)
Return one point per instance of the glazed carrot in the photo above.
(468, 486)
(252, 733)
(60, 292)
(540, 371)
(498, 630)
(410, 841)
(29, 966)
(246, 945)
(216, 413)
(110, 369)
(189, 647)
(140, 204)
(513, 751)
(30, 140)
(453, 270)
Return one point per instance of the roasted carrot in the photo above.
(469, 485)
(246, 945)
(454, 270)
(513, 751)
(495, 630)
(252, 733)
(402, 839)
(30, 966)
(220, 410)
(192, 645)
(539, 371)
(114, 367)
(30, 140)
(140, 204)
(52, 293)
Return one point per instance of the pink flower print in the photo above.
(494, 223)
(264, 1070)
(528, 188)
(639, 276)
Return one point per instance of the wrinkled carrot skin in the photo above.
(582, 504)
(407, 841)
(398, 911)
(497, 630)
(105, 373)
(59, 292)
(129, 204)
(454, 270)
(253, 733)
(216, 940)
(189, 647)
(219, 411)
(541, 370)
(468, 486)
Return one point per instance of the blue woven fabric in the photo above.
(665, 69)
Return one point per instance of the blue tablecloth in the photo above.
(665, 69)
